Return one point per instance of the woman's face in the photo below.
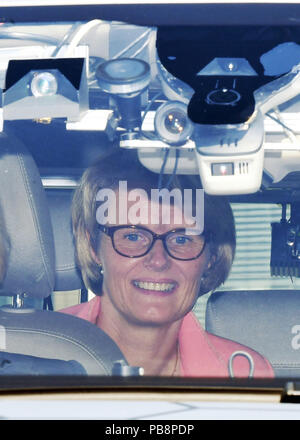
(131, 284)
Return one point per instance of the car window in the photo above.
(145, 175)
(251, 268)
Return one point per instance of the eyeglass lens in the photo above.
(136, 242)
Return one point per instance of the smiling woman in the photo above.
(147, 274)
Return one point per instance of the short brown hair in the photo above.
(124, 166)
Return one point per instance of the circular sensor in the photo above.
(123, 75)
(175, 122)
(172, 123)
(223, 97)
(43, 84)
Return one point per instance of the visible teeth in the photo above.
(154, 286)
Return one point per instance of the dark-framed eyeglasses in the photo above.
(136, 241)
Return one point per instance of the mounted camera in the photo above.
(222, 95)
(125, 79)
(45, 88)
(172, 123)
(285, 248)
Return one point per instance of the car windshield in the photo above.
(150, 194)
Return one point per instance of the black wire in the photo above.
(152, 137)
(160, 179)
(149, 105)
(47, 303)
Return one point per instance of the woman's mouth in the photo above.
(150, 286)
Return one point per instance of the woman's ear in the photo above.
(206, 279)
(93, 253)
(211, 262)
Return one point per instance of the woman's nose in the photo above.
(157, 258)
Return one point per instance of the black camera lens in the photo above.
(123, 76)
(223, 97)
(172, 123)
(175, 122)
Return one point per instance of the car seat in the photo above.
(266, 320)
(31, 273)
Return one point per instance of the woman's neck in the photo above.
(155, 348)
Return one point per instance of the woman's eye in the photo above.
(132, 237)
(181, 239)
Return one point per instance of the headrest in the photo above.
(67, 275)
(267, 321)
(26, 216)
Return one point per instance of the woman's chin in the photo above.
(152, 318)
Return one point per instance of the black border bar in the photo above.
(161, 14)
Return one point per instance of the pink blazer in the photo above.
(202, 354)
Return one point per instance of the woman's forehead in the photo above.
(162, 211)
